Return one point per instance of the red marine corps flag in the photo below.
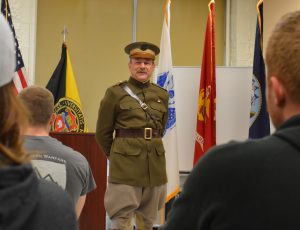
(206, 113)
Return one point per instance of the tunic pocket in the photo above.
(160, 150)
(158, 106)
(127, 162)
(129, 104)
(130, 114)
(158, 109)
(126, 147)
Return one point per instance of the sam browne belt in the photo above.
(146, 133)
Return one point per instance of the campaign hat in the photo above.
(142, 50)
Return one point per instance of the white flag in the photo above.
(164, 78)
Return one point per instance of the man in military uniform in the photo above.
(131, 120)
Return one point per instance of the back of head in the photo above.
(12, 114)
(39, 102)
(283, 54)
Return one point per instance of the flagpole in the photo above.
(206, 113)
(227, 40)
(134, 21)
(64, 33)
(164, 78)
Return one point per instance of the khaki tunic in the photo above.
(133, 161)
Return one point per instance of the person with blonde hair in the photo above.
(25, 203)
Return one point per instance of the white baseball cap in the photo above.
(7, 53)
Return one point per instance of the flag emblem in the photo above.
(204, 104)
(165, 80)
(69, 116)
(200, 140)
(256, 100)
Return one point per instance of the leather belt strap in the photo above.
(143, 105)
(146, 133)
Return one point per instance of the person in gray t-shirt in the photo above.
(50, 158)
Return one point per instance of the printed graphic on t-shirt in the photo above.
(52, 171)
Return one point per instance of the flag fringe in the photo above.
(173, 194)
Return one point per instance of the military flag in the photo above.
(259, 117)
(62, 84)
(206, 113)
(20, 79)
(164, 78)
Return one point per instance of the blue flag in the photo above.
(259, 117)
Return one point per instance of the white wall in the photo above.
(233, 107)
(240, 32)
(24, 20)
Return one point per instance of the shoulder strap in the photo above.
(143, 105)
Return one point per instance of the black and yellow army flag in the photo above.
(62, 84)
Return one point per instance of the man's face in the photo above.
(141, 69)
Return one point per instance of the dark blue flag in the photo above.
(259, 117)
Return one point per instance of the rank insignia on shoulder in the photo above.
(121, 82)
(158, 86)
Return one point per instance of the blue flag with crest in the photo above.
(259, 117)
